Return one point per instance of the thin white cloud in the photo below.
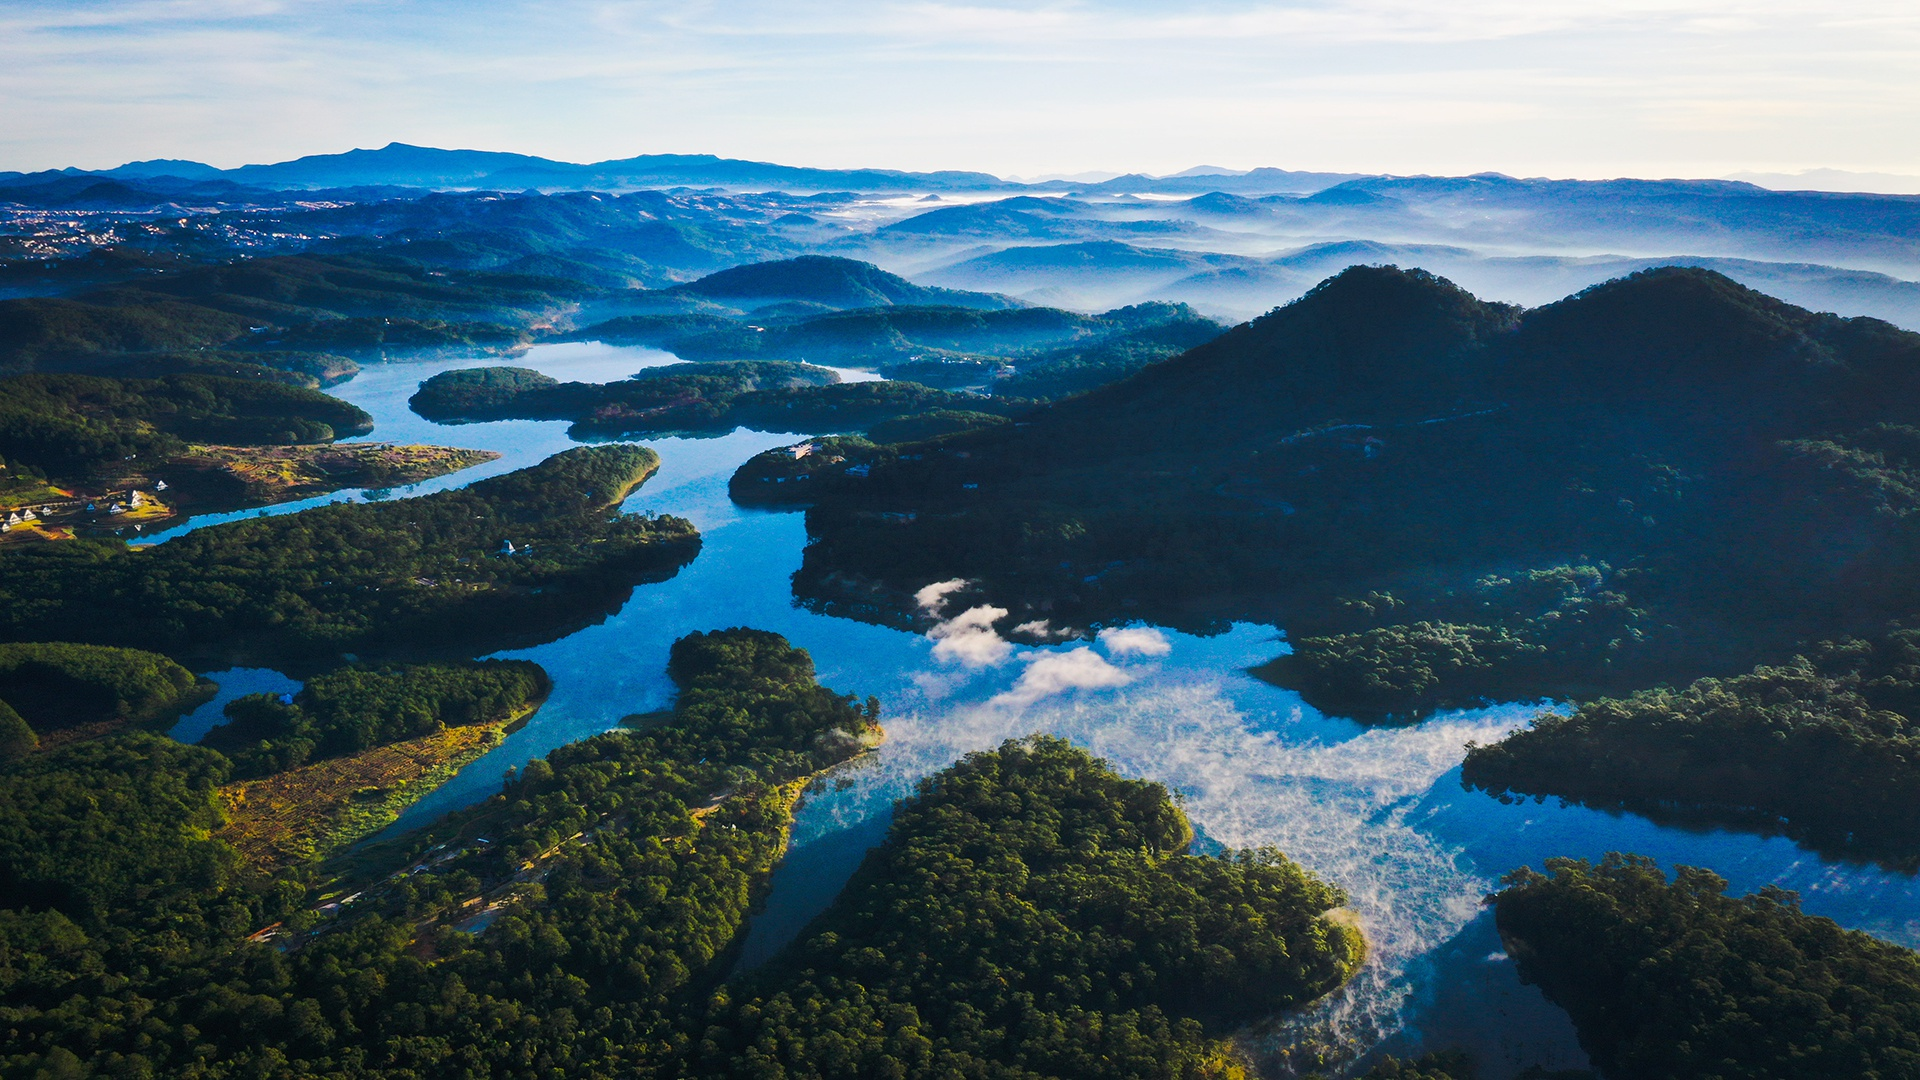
(969, 638)
(1043, 630)
(1135, 641)
(1048, 674)
(933, 598)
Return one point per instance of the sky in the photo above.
(1527, 87)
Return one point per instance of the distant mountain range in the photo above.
(1835, 180)
(401, 165)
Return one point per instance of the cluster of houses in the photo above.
(28, 516)
(135, 501)
(23, 516)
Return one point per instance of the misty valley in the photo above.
(470, 615)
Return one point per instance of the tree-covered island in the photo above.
(709, 398)
(1032, 914)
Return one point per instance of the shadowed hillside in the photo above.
(1441, 499)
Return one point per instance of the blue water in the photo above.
(233, 683)
(1379, 812)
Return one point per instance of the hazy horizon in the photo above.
(1654, 88)
(1819, 179)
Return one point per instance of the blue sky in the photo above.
(1531, 87)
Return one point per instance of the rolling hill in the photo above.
(1658, 477)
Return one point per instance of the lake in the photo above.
(1379, 812)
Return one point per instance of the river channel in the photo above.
(1379, 812)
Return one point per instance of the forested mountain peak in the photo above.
(1684, 339)
(1371, 343)
(1671, 316)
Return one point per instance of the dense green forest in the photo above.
(1443, 500)
(304, 369)
(73, 425)
(427, 575)
(1822, 749)
(368, 337)
(362, 304)
(1032, 914)
(1440, 1065)
(65, 690)
(651, 844)
(354, 709)
(704, 398)
(1143, 334)
(1675, 980)
(817, 465)
(45, 332)
(106, 867)
(1504, 636)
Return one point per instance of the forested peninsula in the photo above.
(93, 455)
(1673, 980)
(1824, 750)
(1032, 914)
(508, 560)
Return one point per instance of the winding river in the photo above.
(1379, 812)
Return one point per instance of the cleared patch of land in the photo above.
(278, 473)
(309, 812)
(217, 477)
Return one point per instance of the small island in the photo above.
(339, 760)
(700, 399)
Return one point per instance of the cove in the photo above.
(1380, 812)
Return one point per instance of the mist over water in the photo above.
(1379, 812)
(1266, 772)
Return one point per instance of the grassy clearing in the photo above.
(277, 473)
(315, 810)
